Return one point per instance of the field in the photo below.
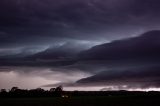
(83, 101)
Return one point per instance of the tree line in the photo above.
(59, 92)
(39, 92)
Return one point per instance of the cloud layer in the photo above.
(45, 22)
(127, 64)
(59, 34)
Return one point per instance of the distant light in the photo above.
(65, 96)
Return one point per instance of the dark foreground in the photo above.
(84, 100)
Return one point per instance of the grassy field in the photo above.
(82, 101)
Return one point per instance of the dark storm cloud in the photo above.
(132, 62)
(131, 78)
(145, 46)
(143, 49)
(43, 21)
(137, 59)
(37, 32)
(121, 54)
(143, 77)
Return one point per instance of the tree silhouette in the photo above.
(14, 89)
(52, 89)
(3, 90)
(59, 89)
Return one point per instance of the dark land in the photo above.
(58, 97)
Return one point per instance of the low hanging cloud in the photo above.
(141, 77)
(133, 63)
(142, 49)
(145, 46)
(132, 78)
(34, 77)
(127, 64)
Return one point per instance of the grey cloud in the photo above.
(112, 70)
(26, 21)
(143, 47)
(28, 27)
(137, 49)
(143, 77)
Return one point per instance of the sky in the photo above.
(80, 44)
